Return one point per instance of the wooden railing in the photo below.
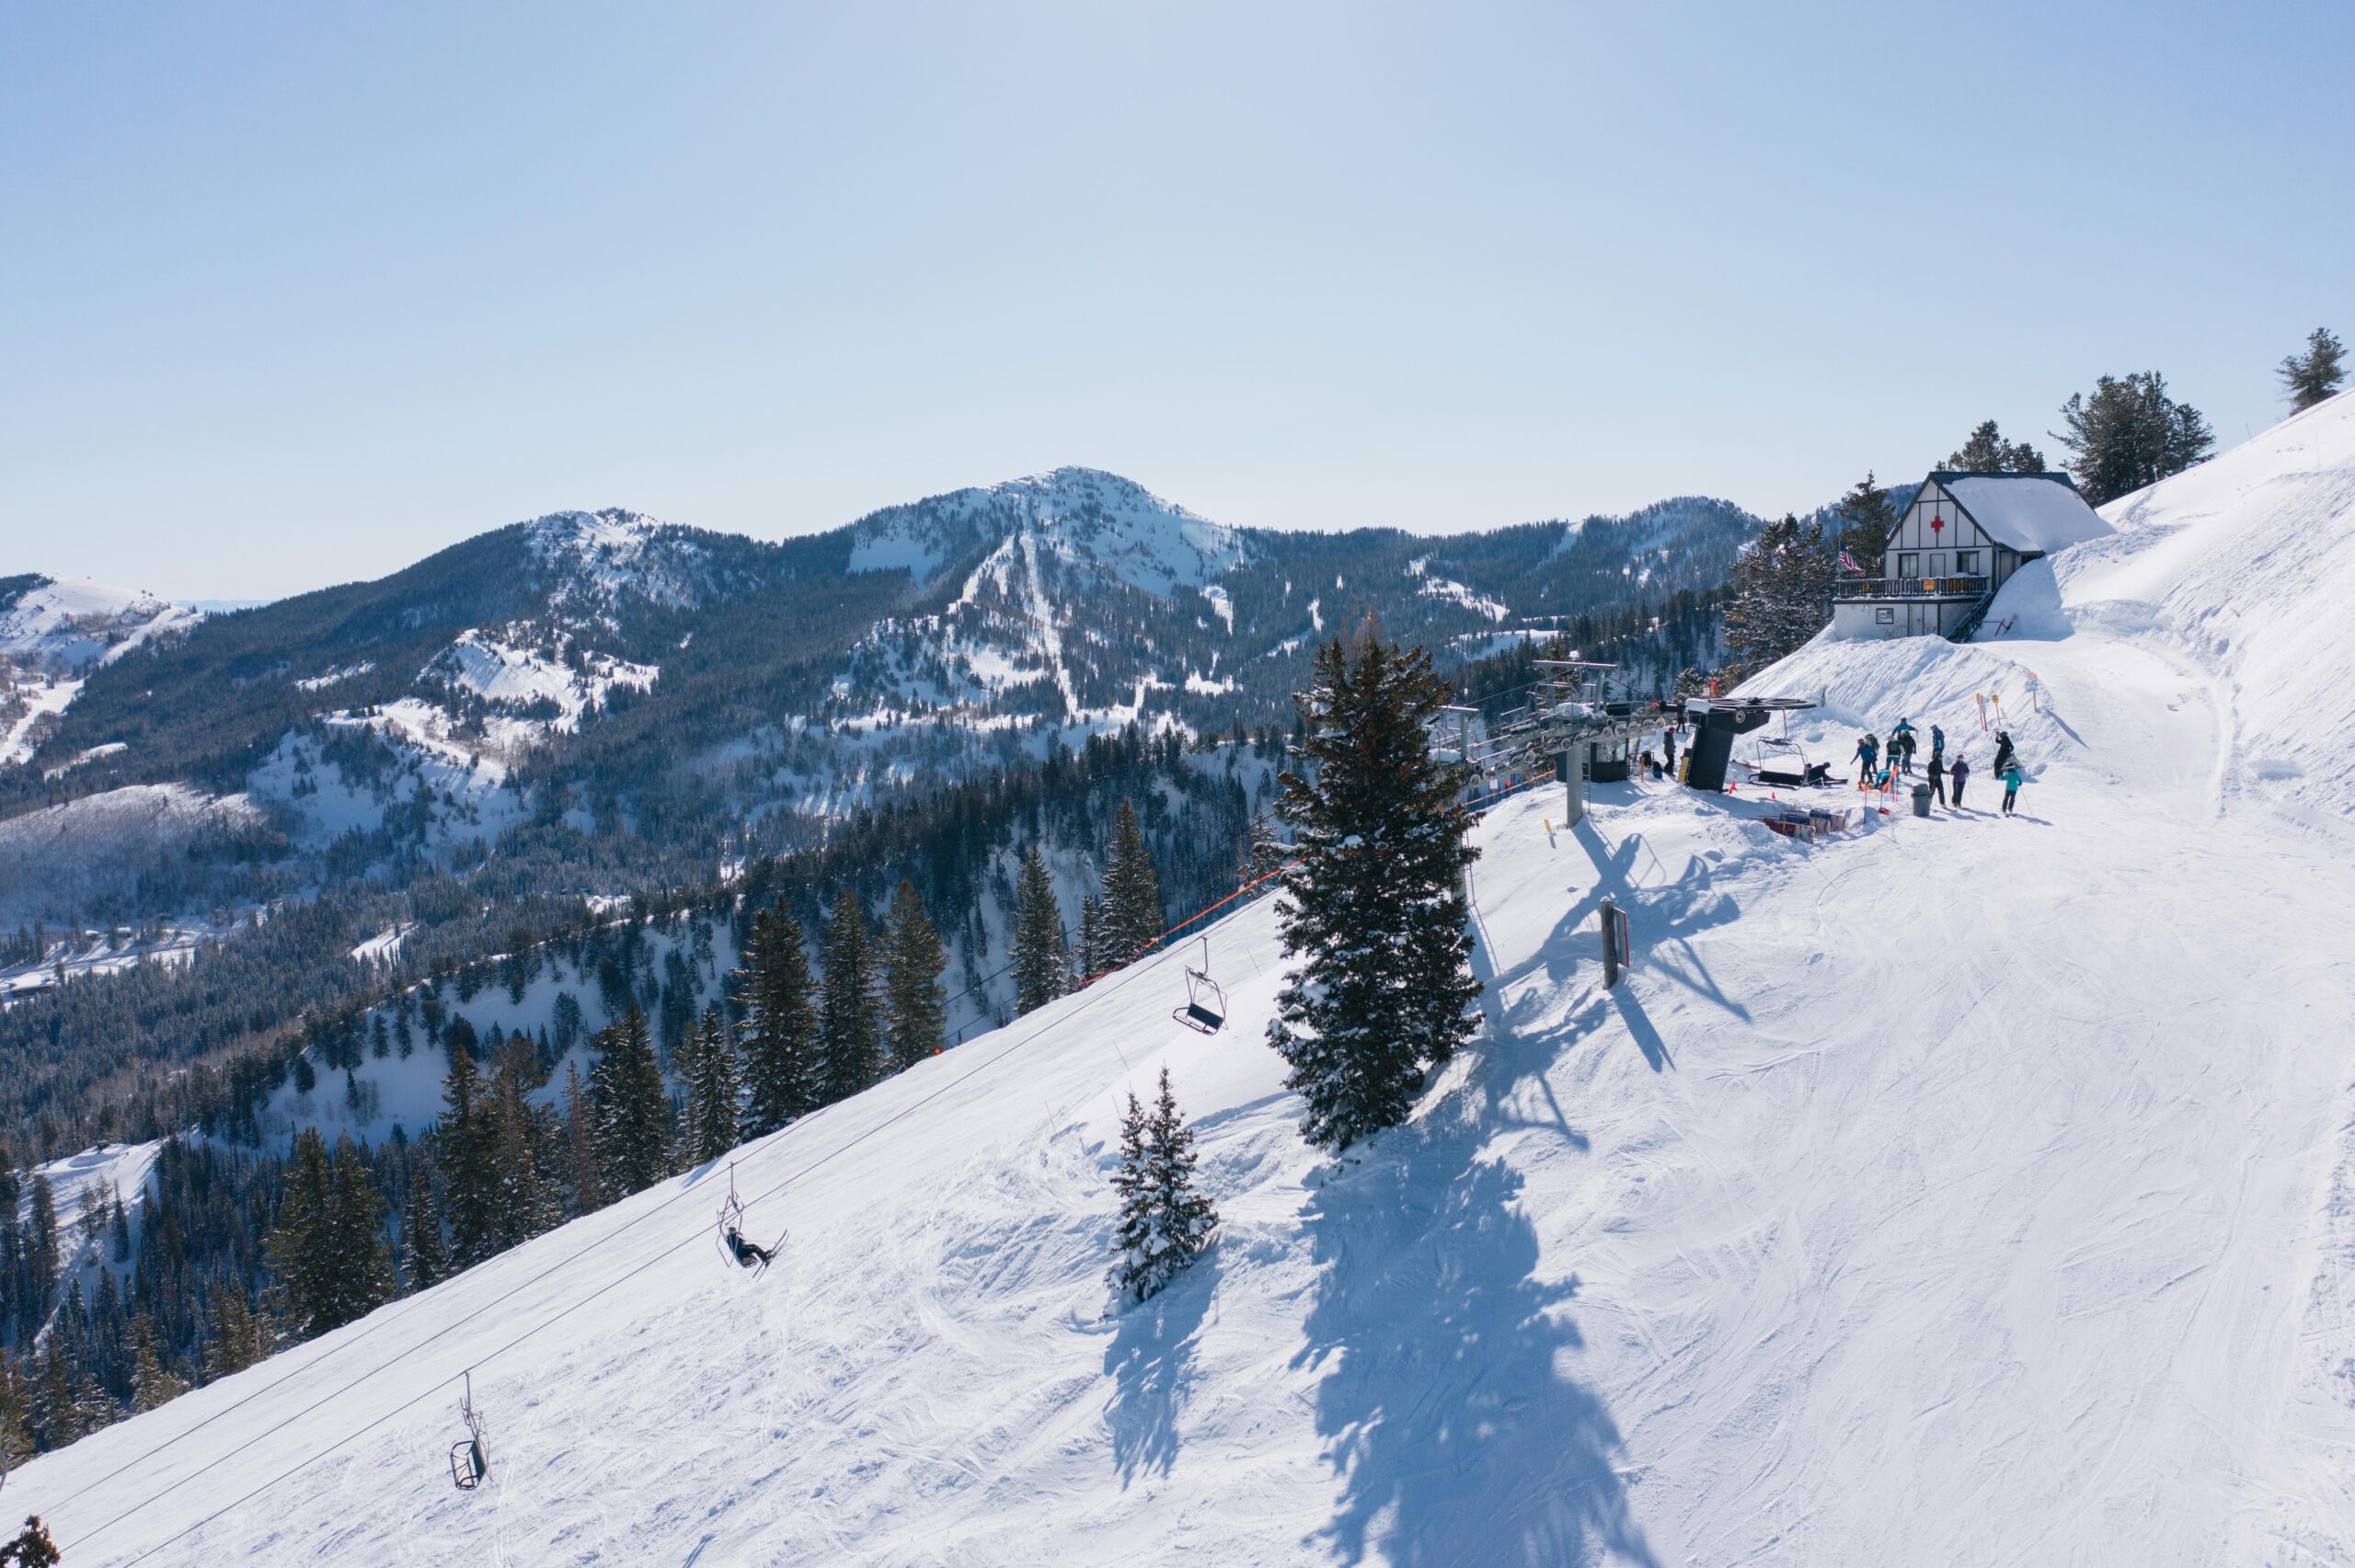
(1909, 587)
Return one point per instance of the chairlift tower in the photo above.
(1583, 728)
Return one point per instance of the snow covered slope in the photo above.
(67, 623)
(1961, 1190)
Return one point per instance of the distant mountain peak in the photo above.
(598, 559)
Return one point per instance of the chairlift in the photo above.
(468, 1463)
(1205, 1009)
(736, 1247)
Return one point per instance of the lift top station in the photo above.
(1716, 720)
(1587, 732)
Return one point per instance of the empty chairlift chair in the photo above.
(1205, 1008)
(468, 1462)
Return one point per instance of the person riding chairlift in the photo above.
(751, 1255)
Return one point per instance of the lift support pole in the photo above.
(1570, 768)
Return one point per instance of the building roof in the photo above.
(2034, 513)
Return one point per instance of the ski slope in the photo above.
(1961, 1190)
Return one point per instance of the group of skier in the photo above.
(1939, 774)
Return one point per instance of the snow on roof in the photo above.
(2040, 512)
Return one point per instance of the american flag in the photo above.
(1848, 563)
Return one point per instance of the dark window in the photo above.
(1966, 563)
(1884, 616)
(1909, 566)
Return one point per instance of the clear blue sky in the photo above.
(292, 294)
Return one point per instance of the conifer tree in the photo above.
(151, 1385)
(780, 1058)
(464, 1150)
(15, 1414)
(298, 1244)
(1374, 904)
(1133, 917)
(849, 1032)
(583, 1175)
(914, 959)
(1782, 594)
(2129, 433)
(1866, 519)
(328, 1247)
(2315, 374)
(1988, 453)
(1165, 1222)
(631, 1109)
(236, 1339)
(713, 1091)
(521, 1135)
(1039, 963)
(426, 1253)
(1264, 850)
(358, 1278)
(1085, 963)
(30, 1547)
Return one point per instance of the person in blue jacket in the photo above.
(1867, 752)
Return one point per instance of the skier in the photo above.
(751, 1255)
(2011, 777)
(1907, 753)
(1868, 752)
(1937, 776)
(1961, 775)
(1668, 744)
(1937, 742)
(2003, 752)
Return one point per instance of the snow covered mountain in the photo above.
(1966, 1189)
(691, 695)
(52, 633)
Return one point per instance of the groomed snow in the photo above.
(1958, 1190)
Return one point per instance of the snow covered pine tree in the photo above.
(1374, 904)
(1165, 1224)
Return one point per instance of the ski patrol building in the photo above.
(1954, 547)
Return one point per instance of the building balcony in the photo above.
(1865, 589)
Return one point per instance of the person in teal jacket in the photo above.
(2011, 777)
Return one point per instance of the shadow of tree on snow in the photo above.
(1151, 1363)
(1457, 1436)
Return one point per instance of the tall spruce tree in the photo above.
(1986, 451)
(464, 1151)
(2129, 433)
(1038, 964)
(1373, 905)
(1132, 916)
(424, 1252)
(1088, 962)
(849, 1032)
(329, 1246)
(780, 1041)
(914, 959)
(1866, 519)
(2317, 373)
(1165, 1222)
(151, 1383)
(714, 1091)
(521, 1135)
(631, 1109)
(584, 1177)
(1782, 594)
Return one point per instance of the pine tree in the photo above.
(1988, 453)
(2315, 374)
(15, 1414)
(713, 1092)
(1086, 962)
(583, 1175)
(358, 1274)
(520, 1135)
(238, 1337)
(631, 1109)
(298, 1244)
(1866, 520)
(849, 1032)
(30, 1547)
(1133, 917)
(914, 960)
(1038, 964)
(427, 1254)
(1264, 851)
(1373, 905)
(1782, 594)
(151, 1385)
(780, 1026)
(2130, 434)
(464, 1148)
(1165, 1222)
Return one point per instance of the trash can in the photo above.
(1921, 800)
